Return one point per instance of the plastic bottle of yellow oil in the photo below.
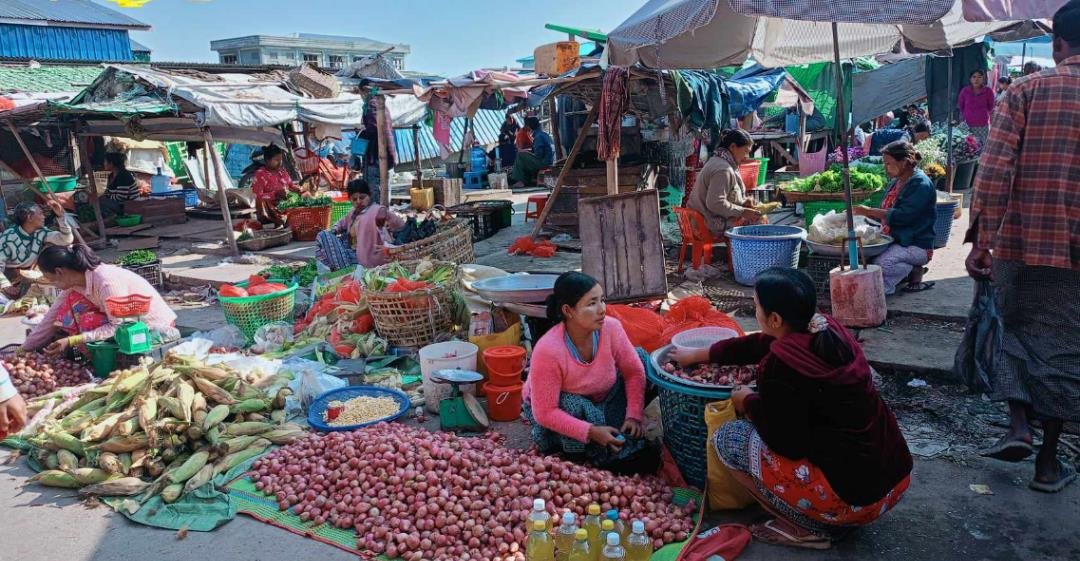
(592, 525)
(539, 512)
(613, 551)
(639, 547)
(564, 537)
(540, 546)
(580, 550)
(620, 526)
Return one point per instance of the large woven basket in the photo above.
(311, 80)
(793, 197)
(757, 248)
(452, 243)
(307, 222)
(265, 239)
(413, 319)
(248, 313)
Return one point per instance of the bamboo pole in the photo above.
(612, 176)
(95, 200)
(41, 176)
(223, 199)
(416, 151)
(378, 104)
(553, 110)
(578, 143)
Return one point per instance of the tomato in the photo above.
(266, 288)
(344, 350)
(363, 324)
(230, 291)
(255, 280)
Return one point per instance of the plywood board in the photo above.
(121, 231)
(622, 246)
(138, 243)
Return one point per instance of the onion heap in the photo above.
(35, 374)
(714, 374)
(416, 495)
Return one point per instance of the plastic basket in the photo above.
(318, 407)
(484, 222)
(943, 222)
(133, 305)
(191, 197)
(504, 212)
(702, 337)
(129, 220)
(339, 210)
(764, 172)
(151, 272)
(358, 146)
(749, 173)
(757, 248)
(103, 357)
(307, 222)
(248, 313)
(818, 267)
(812, 209)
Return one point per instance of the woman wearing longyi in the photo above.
(586, 386)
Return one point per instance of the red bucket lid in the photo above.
(507, 351)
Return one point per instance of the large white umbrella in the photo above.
(991, 10)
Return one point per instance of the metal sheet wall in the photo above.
(64, 43)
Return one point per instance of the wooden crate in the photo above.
(158, 212)
(622, 246)
(447, 191)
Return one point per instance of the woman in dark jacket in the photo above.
(820, 449)
(908, 215)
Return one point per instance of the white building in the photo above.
(328, 51)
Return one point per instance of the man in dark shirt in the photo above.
(529, 163)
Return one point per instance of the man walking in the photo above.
(1025, 231)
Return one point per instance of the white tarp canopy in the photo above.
(240, 100)
(166, 129)
(991, 10)
(709, 34)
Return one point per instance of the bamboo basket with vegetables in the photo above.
(452, 243)
(414, 302)
(306, 216)
(866, 179)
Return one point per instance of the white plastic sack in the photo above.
(831, 228)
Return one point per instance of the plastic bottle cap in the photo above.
(613, 514)
(613, 539)
(538, 504)
(540, 525)
(568, 518)
(608, 525)
(594, 509)
(581, 534)
(639, 527)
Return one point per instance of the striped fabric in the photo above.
(1025, 202)
(913, 12)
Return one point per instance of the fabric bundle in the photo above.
(614, 100)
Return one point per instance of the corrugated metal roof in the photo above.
(137, 47)
(487, 124)
(47, 79)
(67, 11)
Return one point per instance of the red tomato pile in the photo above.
(256, 286)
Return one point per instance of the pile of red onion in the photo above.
(36, 374)
(417, 495)
(714, 374)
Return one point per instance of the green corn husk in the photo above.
(132, 381)
(68, 442)
(233, 460)
(126, 428)
(278, 416)
(198, 405)
(213, 436)
(186, 395)
(118, 444)
(189, 468)
(172, 492)
(125, 463)
(212, 392)
(250, 406)
(201, 478)
(248, 428)
(122, 487)
(284, 436)
(173, 406)
(148, 412)
(52, 461)
(90, 476)
(110, 462)
(56, 478)
(216, 415)
(234, 445)
(102, 428)
(67, 461)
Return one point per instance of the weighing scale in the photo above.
(132, 336)
(460, 411)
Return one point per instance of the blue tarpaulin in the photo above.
(749, 88)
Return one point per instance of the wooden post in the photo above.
(589, 120)
(223, 200)
(555, 128)
(612, 176)
(379, 105)
(95, 200)
(206, 168)
(41, 176)
(416, 151)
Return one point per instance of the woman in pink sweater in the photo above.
(586, 385)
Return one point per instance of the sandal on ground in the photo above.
(1066, 475)
(772, 533)
(919, 287)
(1009, 450)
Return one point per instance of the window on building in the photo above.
(337, 61)
(398, 63)
(311, 57)
(228, 59)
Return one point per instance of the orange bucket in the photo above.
(504, 363)
(504, 402)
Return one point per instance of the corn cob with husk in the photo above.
(51, 460)
(279, 399)
(199, 405)
(125, 462)
(189, 468)
(213, 392)
(118, 444)
(232, 460)
(65, 441)
(148, 411)
(172, 492)
(110, 462)
(248, 428)
(56, 478)
(90, 476)
(186, 396)
(253, 405)
(284, 435)
(216, 415)
(236, 444)
(122, 487)
(202, 477)
(67, 460)
(126, 428)
(244, 391)
(101, 429)
(173, 406)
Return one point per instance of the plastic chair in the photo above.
(696, 237)
(813, 162)
(538, 202)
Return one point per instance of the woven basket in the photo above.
(311, 80)
(413, 319)
(793, 197)
(264, 239)
(757, 248)
(452, 243)
(249, 313)
(307, 222)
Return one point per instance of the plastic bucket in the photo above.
(103, 357)
(504, 362)
(444, 356)
(702, 337)
(504, 402)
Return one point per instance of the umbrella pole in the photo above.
(841, 125)
(950, 164)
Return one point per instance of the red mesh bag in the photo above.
(693, 312)
(643, 327)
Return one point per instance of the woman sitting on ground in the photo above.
(21, 244)
(271, 185)
(719, 193)
(820, 450)
(81, 314)
(586, 387)
(908, 215)
(361, 236)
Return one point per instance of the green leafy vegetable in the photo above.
(304, 274)
(138, 257)
(294, 200)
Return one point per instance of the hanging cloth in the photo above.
(614, 100)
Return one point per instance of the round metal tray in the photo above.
(838, 250)
(523, 289)
(659, 357)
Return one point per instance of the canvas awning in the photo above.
(879, 91)
(996, 10)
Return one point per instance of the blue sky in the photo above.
(447, 37)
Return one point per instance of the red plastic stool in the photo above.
(697, 238)
(539, 201)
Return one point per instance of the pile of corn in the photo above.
(364, 409)
(164, 429)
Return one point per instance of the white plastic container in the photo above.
(442, 356)
(702, 337)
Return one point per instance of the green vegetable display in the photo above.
(138, 257)
(294, 200)
(304, 274)
(426, 271)
(864, 177)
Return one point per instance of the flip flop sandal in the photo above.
(1066, 475)
(1009, 451)
(772, 534)
(919, 287)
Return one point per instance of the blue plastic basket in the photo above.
(318, 407)
(682, 410)
(943, 223)
(757, 248)
(191, 197)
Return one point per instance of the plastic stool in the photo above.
(537, 201)
(474, 180)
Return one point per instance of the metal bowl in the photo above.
(523, 289)
(660, 356)
(838, 250)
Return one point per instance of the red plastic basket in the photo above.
(307, 162)
(128, 306)
(750, 171)
(307, 222)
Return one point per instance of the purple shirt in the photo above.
(976, 107)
